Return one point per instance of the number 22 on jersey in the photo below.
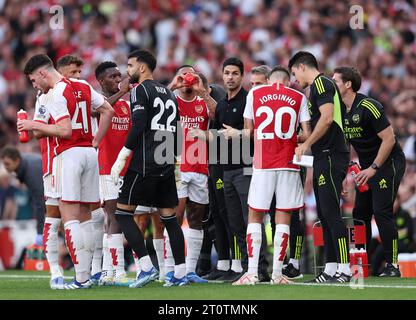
(156, 121)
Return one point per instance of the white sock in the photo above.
(115, 245)
(253, 240)
(169, 261)
(97, 217)
(75, 243)
(331, 268)
(87, 229)
(344, 268)
(107, 265)
(236, 266)
(145, 263)
(158, 245)
(180, 270)
(50, 241)
(194, 240)
(281, 240)
(136, 263)
(223, 265)
(295, 263)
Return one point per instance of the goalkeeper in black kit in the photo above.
(382, 162)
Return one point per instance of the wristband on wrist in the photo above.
(375, 166)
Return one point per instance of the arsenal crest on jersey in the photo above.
(199, 108)
(124, 109)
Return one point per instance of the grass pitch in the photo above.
(26, 285)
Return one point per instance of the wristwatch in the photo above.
(375, 166)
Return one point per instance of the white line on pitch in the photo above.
(22, 276)
(350, 286)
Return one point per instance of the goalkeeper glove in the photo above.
(119, 164)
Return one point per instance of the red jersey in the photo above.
(276, 111)
(194, 114)
(71, 98)
(46, 144)
(115, 137)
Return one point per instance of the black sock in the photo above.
(131, 231)
(176, 238)
(206, 242)
(296, 236)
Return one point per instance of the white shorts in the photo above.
(52, 202)
(76, 175)
(287, 185)
(144, 210)
(49, 187)
(194, 186)
(108, 190)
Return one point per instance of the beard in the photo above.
(232, 86)
(134, 78)
(188, 90)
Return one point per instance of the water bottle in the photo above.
(190, 79)
(353, 257)
(354, 169)
(23, 135)
(360, 270)
(362, 254)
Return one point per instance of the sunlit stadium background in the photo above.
(377, 37)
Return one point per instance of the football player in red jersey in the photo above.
(272, 115)
(69, 103)
(109, 77)
(259, 75)
(193, 188)
(70, 67)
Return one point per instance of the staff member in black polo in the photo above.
(382, 161)
(331, 157)
(229, 118)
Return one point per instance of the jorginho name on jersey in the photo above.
(276, 112)
(155, 120)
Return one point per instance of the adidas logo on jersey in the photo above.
(219, 184)
(383, 184)
(321, 180)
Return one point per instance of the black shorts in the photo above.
(149, 191)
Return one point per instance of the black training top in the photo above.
(324, 90)
(230, 112)
(362, 124)
(155, 125)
